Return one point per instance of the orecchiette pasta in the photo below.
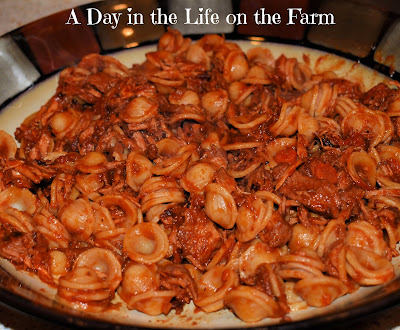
(320, 292)
(213, 287)
(78, 218)
(204, 175)
(8, 147)
(220, 206)
(146, 242)
(251, 304)
(91, 284)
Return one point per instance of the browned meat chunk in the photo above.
(17, 248)
(178, 278)
(277, 232)
(198, 237)
(320, 196)
(379, 97)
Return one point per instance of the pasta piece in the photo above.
(261, 56)
(168, 79)
(17, 198)
(63, 123)
(104, 262)
(370, 124)
(173, 42)
(281, 150)
(138, 170)
(389, 128)
(344, 105)
(52, 229)
(394, 108)
(287, 122)
(188, 112)
(368, 268)
(111, 239)
(59, 264)
(92, 282)
(319, 100)
(93, 162)
(239, 91)
(210, 42)
(139, 110)
(153, 302)
(386, 172)
(176, 165)
(334, 231)
(240, 173)
(257, 75)
(197, 177)
(255, 255)
(83, 289)
(269, 196)
(159, 58)
(220, 205)
(252, 305)
(131, 213)
(108, 65)
(300, 264)
(252, 218)
(78, 218)
(335, 261)
(364, 235)
(307, 125)
(88, 184)
(198, 55)
(183, 96)
(146, 242)
(138, 278)
(246, 123)
(18, 220)
(235, 66)
(304, 237)
(8, 147)
(213, 287)
(103, 218)
(167, 147)
(295, 74)
(320, 291)
(159, 190)
(388, 221)
(362, 169)
(215, 103)
(105, 232)
(61, 189)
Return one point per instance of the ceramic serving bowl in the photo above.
(31, 84)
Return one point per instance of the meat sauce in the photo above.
(204, 175)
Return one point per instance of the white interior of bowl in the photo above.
(31, 101)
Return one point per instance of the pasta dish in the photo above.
(205, 175)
